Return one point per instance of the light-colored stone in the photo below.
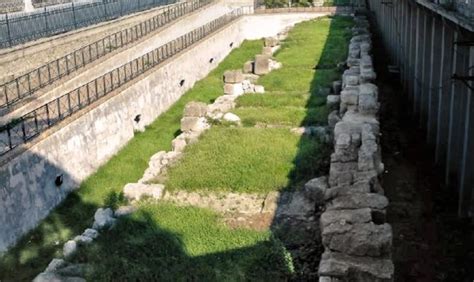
(248, 67)
(251, 77)
(91, 233)
(267, 51)
(178, 144)
(195, 124)
(271, 42)
(135, 191)
(124, 211)
(274, 65)
(345, 216)
(233, 89)
(55, 264)
(259, 89)
(195, 109)
(69, 249)
(230, 117)
(83, 240)
(103, 218)
(233, 76)
(262, 64)
(358, 201)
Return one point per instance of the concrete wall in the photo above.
(79, 145)
(430, 45)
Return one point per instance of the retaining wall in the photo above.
(76, 147)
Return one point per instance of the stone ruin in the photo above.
(357, 241)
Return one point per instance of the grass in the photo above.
(258, 158)
(163, 242)
(33, 252)
(244, 160)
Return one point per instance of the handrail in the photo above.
(26, 85)
(30, 125)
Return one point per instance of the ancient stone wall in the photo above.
(356, 239)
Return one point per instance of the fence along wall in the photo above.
(19, 28)
(435, 54)
(28, 190)
(26, 85)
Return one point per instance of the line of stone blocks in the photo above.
(356, 239)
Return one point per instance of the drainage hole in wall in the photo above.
(59, 180)
(231, 44)
(211, 60)
(137, 118)
(181, 83)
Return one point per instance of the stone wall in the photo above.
(357, 241)
(74, 149)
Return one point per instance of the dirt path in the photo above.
(429, 242)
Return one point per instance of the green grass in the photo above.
(186, 244)
(33, 253)
(245, 160)
(163, 242)
(258, 158)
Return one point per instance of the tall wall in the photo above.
(431, 45)
(76, 147)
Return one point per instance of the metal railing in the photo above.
(21, 27)
(26, 85)
(30, 125)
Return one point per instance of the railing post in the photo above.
(8, 30)
(74, 14)
(105, 8)
(45, 21)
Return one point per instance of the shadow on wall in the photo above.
(139, 248)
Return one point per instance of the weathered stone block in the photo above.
(353, 268)
(251, 77)
(267, 51)
(69, 249)
(337, 87)
(233, 89)
(358, 201)
(259, 89)
(195, 109)
(360, 239)
(248, 67)
(103, 218)
(345, 216)
(230, 117)
(315, 189)
(196, 124)
(178, 144)
(262, 64)
(333, 101)
(233, 76)
(135, 191)
(271, 42)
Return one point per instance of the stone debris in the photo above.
(91, 233)
(195, 109)
(271, 42)
(230, 117)
(136, 191)
(55, 264)
(233, 76)
(83, 240)
(69, 249)
(262, 64)
(104, 218)
(356, 239)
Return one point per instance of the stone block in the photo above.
(251, 77)
(135, 191)
(345, 217)
(103, 218)
(259, 89)
(351, 77)
(271, 42)
(359, 187)
(333, 101)
(337, 87)
(315, 189)
(233, 89)
(233, 76)
(354, 268)
(248, 67)
(178, 144)
(262, 64)
(333, 119)
(274, 65)
(267, 51)
(195, 124)
(91, 233)
(55, 264)
(358, 201)
(230, 117)
(195, 109)
(349, 96)
(69, 249)
(360, 239)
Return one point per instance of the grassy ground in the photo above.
(33, 253)
(163, 242)
(259, 159)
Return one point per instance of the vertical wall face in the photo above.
(34, 182)
(429, 50)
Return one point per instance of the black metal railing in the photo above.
(30, 125)
(22, 27)
(26, 85)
